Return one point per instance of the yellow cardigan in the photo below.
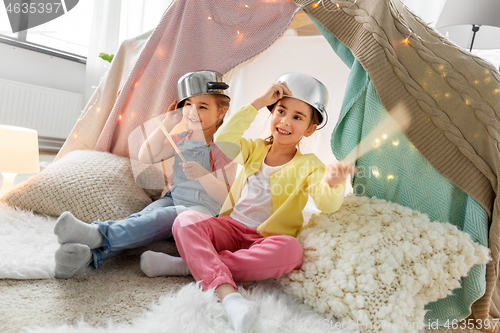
(290, 186)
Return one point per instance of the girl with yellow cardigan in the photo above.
(254, 236)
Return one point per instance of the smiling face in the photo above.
(290, 121)
(202, 112)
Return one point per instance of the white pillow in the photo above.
(379, 263)
(90, 184)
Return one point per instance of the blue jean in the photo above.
(152, 224)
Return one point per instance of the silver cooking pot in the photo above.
(309, 90)
(199, 83)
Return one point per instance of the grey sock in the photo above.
(70, 258)
(69, 229)
(161, 264)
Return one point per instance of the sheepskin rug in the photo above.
(192, 310)
(27, 244)
(377, 264)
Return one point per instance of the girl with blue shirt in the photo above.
(198, 184)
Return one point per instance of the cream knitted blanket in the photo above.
(452, 95)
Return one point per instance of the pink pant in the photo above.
(220, 250)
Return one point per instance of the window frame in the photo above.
(20, 41)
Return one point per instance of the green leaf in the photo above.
(107, 57)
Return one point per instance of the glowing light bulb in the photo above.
(246, 6)
(238, 32)
(98, 109)
(75, 136)
(316, 5)
(384, 136)
(338, 6)
(390, 177)
(395, 142)
(476, 81)
(120, 117)
(375, 173)
(447, 95)
(209, 18)
(406, 40)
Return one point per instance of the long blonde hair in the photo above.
(222, 103)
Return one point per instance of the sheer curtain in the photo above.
(114, 21)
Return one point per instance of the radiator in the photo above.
(51, 112)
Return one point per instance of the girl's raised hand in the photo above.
(174, 115)
(194, 170)
(274, 94)
(336, 173)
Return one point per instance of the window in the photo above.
(67, 36)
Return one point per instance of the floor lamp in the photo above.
(18, 154)
(471, 23)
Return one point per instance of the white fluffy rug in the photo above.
(27, 245)
(27, 251)
(192, 310)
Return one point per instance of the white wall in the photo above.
(21, 65)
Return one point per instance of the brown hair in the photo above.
(315, 120)
(222, 103)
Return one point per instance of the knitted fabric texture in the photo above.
(192, 35)
(379, 263)
(452, 97)
(90, 184)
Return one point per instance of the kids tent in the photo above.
(444, 165)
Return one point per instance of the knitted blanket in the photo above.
(452, 96)
(192, 35)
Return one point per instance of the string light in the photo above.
(406, 40)
(246, 6)
(98, 109)
(210, 18)
(376, 173)
(395, 142)
(75, 136)
(447, 95)
(390, 177)
(316, 5)
(384, 136)
(120, 117)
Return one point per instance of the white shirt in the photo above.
(255, 204)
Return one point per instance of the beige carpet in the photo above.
(118, 290)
